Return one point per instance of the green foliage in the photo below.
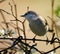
(57, 11)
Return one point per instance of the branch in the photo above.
(4, 19)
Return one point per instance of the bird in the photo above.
(36, 24)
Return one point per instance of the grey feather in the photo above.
(37, 27)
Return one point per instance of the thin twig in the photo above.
(53, 49)
(19, 40)
(15, 7)
(4, 19)
(22, 43)
(24, 32)
(31, 40)
(27, 8)
(52, 20)
(4, 43)
(24, 28)
(11, 9)
(54, 25)
(13, 16)
(14, 26)
(2, 27)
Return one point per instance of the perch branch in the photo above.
(18, 40)
(32, 40)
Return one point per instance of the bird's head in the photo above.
(30, 15)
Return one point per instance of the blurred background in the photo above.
(41, 7)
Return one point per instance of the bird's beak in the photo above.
(22, 15)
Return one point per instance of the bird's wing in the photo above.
(37, 27)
